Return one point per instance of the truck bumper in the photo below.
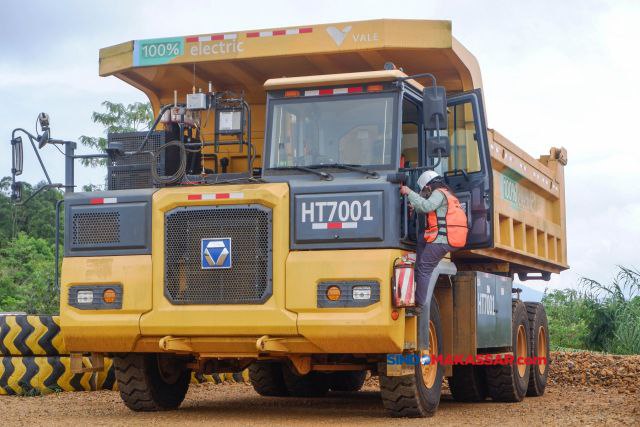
(292, 321)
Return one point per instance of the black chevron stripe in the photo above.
(21, 339)
(8, 371)
(46, 340)
(110, 379)
(30, 372)
(76, 382)
(237, 377)
(4, 330)
(51, 382)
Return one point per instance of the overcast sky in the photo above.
(556, 73)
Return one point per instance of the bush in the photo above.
(26, 276)
(599, 317)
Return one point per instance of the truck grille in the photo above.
(248, 281)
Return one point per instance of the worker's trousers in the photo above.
(428, 256)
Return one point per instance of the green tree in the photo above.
(117, 118)
(36, 218)
(26, 276)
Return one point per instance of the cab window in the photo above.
(410, 130)
(462, 136)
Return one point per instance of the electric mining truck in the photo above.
(258, 224)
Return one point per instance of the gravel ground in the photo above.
(239, 404)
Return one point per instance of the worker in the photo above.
(445, 228)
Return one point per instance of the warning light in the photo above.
(109, 296)
(333, 293)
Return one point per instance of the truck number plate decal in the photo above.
(347, 216)
(336, 215)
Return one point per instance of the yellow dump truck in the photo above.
(258, 223)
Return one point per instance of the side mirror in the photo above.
(434, 108)
(16, 191)
(16, 156)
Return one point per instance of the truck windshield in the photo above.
(352, 129)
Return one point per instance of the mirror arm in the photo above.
(38, 191)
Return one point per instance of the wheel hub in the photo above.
(521, 350)
(542, 350)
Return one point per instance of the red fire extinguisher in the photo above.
(404, 288)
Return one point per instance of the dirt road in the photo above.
(238, 404)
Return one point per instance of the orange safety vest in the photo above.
(453, 225)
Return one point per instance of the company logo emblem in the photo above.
(337, 35)
(215, 253)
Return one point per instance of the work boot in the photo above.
(414, 311)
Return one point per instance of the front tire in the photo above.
(417, 395)
(151, 382)
(267, 379)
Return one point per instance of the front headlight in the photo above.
(361, 292)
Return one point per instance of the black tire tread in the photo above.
(313, 384)
(136, 388)
(399, 396)
(348, 381)
(266, 378)
(468, 384)
(534, 309)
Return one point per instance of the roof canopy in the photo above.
(244, 60)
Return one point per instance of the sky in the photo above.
(555, 73)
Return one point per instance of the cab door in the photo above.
(467, 169)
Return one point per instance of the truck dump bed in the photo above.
(529, 210)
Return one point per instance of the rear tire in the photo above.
(151, 382)
(313, 384)
(347, 381)
(266, 378)
(508, 383)
(539, 344)
(468, 383)
(417, 395)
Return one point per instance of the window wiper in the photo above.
(355, 168)
(324, 175)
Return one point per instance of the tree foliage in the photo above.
(117, 118)
(36, 219)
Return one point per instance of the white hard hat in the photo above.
(426, 178)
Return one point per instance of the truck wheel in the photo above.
(539, 348)
(266, 378)
(468, 383)
(509, 382)
(347, 381)
(313, 384)
(151, 382)
(417, 395)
